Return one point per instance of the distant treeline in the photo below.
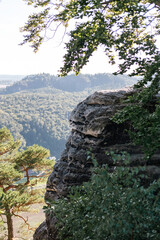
(10, 79)
(70, 83)
(37, 111)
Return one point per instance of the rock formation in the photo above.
(92, 130)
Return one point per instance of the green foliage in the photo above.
(29, 157)
(7, 144)
(142, 111)
(17, 180)
(127, 28)
(112, 205)
(8, 173)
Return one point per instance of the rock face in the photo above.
(92, 130)
(41, 232)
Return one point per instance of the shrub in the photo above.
(112, 205)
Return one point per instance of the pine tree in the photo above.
(20, 170)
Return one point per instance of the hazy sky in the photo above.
(15, 59)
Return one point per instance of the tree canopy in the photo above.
(125, 28)
(36, 109)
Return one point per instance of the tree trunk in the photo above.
(9, 223)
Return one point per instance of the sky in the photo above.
(21, 60)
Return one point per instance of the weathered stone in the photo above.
(93, 130)
(51, 226)
(41, 232)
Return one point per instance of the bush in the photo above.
(112, 205)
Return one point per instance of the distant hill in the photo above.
(70, 83)
(10, 79)
(37, 108)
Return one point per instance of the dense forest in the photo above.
(37, 108)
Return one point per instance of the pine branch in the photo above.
(25, 220)
(10, 187)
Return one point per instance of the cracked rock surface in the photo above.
(92, 130)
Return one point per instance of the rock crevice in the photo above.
(92, 130)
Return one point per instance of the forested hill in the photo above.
(37, 108)
(70, 83)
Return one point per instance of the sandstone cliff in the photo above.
(93, 129)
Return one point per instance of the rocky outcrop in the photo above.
(41, 232)
(92, 130)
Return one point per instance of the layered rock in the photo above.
(94, 131)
